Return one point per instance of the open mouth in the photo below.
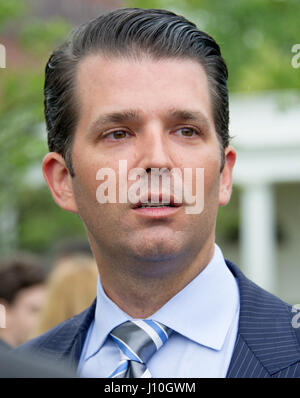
(155, 205)
(157, 208)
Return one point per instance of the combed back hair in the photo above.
(132, 33)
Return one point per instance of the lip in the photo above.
(158, 196)
(156, 212)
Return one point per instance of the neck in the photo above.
(140, 293)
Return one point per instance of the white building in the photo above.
(266, 131)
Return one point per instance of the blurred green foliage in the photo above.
(9, 10)
(255, 36)
(38, 221)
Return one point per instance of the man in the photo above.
(22, 295)
(147, 88)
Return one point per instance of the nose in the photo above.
(154, 150)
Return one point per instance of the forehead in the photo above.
(106, 84)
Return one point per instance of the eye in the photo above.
(187, 132)
(117, 135)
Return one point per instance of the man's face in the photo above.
(162, 118)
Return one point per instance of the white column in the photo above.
(8, 229)
(258, 240)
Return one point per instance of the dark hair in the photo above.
(129, 32)
(20, 271)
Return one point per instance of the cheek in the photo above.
(90, 173)
(211, 176)
(85, 187)
(211, 180)
(100, 219)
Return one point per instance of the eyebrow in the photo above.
(129, 115)
(114, 118)
(189, 116)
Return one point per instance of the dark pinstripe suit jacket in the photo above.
(267, 344)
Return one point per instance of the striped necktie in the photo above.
(138, 340)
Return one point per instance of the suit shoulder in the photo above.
(269, 326)
(58, 337)
(253, 295)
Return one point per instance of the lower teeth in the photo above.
(154, 206)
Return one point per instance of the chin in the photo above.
(157, 250)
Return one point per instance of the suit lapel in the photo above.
(244, 363)
(74, 350)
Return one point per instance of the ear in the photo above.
(226, 176)
(59, 181)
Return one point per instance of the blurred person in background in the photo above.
(22, 294)
(70, 289)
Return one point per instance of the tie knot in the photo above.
(138, 340)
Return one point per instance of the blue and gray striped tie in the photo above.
(138, 340)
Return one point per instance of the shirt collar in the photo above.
(202, 311)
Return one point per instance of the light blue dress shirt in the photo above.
(204, 316)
